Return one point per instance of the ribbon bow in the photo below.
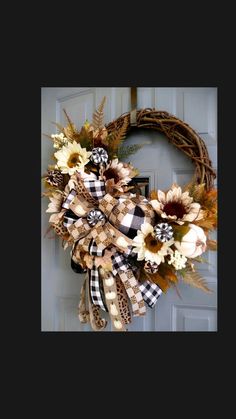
(94, 235)
(103, 232)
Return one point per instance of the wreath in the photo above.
(131, 248)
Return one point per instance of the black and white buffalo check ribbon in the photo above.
(96, 188)
(95, 284)
(150, 291)
(69, 199)
(69, 218)
(131, 222)
(94, 250)
(95, 289)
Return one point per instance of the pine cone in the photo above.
(54, 178)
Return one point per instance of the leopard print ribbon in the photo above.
(123, 301)
(83, 313)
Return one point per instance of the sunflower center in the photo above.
(73, 160)
(152, 244)
(111, 174)
(175, 208)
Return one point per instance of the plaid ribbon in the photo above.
(122, 268)
(69, 218)
(132, 221)
(129, 215)
(69, 199)
(96, 188)
(96, 291)
(94, 249)
(150, 292)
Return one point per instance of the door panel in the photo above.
(162, 164)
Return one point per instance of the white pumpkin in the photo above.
(110, 295)
(193, 243)
(109, 282)
(118, 324)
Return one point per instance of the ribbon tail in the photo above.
(97, 323)
(123, 301)
(133, 291)
(150, 292)
(110, 291)
(83, 313)
(95, 288)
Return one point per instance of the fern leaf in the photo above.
(98, 115)
(117, 137)
(125, 151)
(195, 280)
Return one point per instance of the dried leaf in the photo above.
(195, 280)
(98, 115)
(211, 244)
(167, 272)
(59, 126)
(201, 259)
(153, 195)
(198, 192)
(177, 290)
(180, 231)
(207, 223)
(163, 283)
(48, 136)
(85, 138)
(115, 138)
(71, 125)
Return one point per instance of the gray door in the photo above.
(161, 164)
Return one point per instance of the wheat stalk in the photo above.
(70, 123)
(195, 280)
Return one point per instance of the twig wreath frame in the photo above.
(179, 133)
(132, 248)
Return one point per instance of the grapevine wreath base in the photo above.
(132, 248)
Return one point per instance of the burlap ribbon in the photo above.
(150, 292)
(110, 292)
(95, 239)
(103, 234)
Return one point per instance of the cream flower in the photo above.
(177, 206)
(56, 201)
(148, 247)
(119, 173)
(177, 260)
(72, 157)
(193, 244)
(59, 140)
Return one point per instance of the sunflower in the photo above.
(148, 247)
(177, 206)
(72, 157)
(118, 173)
